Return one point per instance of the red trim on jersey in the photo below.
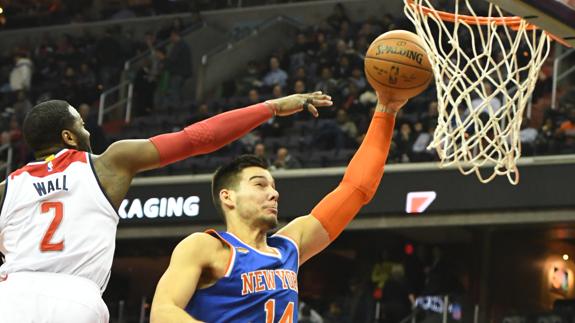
(232, 249)
(58, 164)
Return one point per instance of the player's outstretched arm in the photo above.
(180, 281)
(331, 215)
(123, 159)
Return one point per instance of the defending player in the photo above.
(241, 275)
(58, 217)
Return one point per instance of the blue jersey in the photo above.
(257, 287)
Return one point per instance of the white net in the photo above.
(485, 70)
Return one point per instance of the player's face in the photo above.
(80, 132)
(257, 198)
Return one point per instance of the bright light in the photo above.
(1, 10)
(565, 257)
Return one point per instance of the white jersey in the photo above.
(56, 218)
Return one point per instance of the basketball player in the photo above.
(58, 217)
(242, 275)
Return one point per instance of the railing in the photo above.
(202, 85)
(123, 100)
(559, 76)
(9, 156)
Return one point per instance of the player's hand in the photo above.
(387, 104)
(297, 102)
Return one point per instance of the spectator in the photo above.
(145, 86)
(260, 151)
(494, 104)
(337, 16)
(336, 135)
(253, 97)
(567, 127)
(326, 83)
(249, 80)
(20, 75)
(343, 67)
(275, 75)
(21, 106)
(106, 52)
(178, 64)
(300, 74)
(546, 142)
(528, 136)
(68, 88)
(441, 279)
(299, 87)
(358, 304)
(154, 64)
(347, 127)
(423, 137)
(335, 313)
(13, 136)
(124, 13)
(430, 116)
(297, 55)
(277, 92)
(357, 78)
(404, 140)
(351, 102)
(308, 314)
(202, 113)
(284, 160)
(86, 81)
(396, 297)
(566, 133)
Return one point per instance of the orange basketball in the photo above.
(397, 65)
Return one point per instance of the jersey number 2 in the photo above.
(58, 208)
(287, 317)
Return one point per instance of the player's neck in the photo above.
(256, 239)
(45, 153)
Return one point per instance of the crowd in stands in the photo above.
(18, 14)
(326, 57)
(77, 69)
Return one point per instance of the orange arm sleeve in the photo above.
(361, 178)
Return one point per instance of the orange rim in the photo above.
(473, 20)
(513, 21)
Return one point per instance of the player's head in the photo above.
(55, 124)
(244, 188)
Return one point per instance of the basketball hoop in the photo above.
(485, 69)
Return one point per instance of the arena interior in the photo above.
(432, 246)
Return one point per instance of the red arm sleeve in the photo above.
(361, 178)
(210, 134)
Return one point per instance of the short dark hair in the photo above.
(226, 176)
(43, 125)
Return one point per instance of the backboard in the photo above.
(555, 16)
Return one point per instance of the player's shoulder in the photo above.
(199, 248)
(200, 243)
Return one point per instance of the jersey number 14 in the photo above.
(287, 316)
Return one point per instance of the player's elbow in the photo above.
(160, 313)
(365, 193)
(366, 186)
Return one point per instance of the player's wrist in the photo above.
(385, 109)
(273, 106)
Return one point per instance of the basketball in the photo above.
(397, 65)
